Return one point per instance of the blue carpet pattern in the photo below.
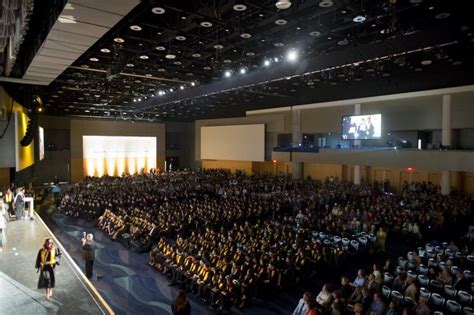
(129, 285)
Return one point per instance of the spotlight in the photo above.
(275, 59)
(193, 84)
(134, 100)
(139, 99)
(40, 109)
(267, 63)
(243, 70)
(171, 90)
(292, 55)
(227, 74)
(181, 87)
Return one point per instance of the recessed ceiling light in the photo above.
(243, 70)
(326, 3)
(193, 84)
(170, 56)
(315, 34)
(279, 44)
(227, 61)
(207, 68)
(283, 5)
(158, 10)
(218, 46)
(227, 74)
(105, 50)
(246, 35)
(119, 40)
(281, 22)
(161, 70)
(148, 75)
(457, 63)
(426, 62)
(180, 38)
(94, 59)
(292, 55)
(267, 63)
(196, 55)
(443, 15)
(416, 1)
(84, 66)
(418, 69)
(359, 19)
(135, 28)
(240, 7)
(189, 74)
(130, 65)
(250, 54)
(178, 63)
(343, 42)
(144, 57)
(160, 48)
(206, 24)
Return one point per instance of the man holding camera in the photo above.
(88, 253)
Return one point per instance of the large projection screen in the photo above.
(113, 155)
(234, 143)
(362, 127)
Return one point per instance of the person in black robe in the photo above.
(46, 261)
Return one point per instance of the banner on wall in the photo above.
(41, 143)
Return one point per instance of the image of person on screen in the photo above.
(362, 130)
(370, 129)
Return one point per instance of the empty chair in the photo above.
(468, 275)
(397, 296)
(336, 239)
(467, 311)
(327, 242)
(437, 300)
(421, 252)
(449, 291)
(387, 278)
(386, 292)
(363, 234)
(470, 258)
(411, 265)
(425, 292)
(453, 307)
(345, 242)
(362, 240)
(464, 298)
(315, 234)
(322, 235)
(423, 280)
(402, 262)
(372, 238)
(436, 286)
(459, 256)
(422, 269)
(439, 250)
(429, 247)
(355, 244)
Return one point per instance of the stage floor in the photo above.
(18, 277)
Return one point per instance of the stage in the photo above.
(73, 293)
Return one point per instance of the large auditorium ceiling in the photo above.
(169, 60)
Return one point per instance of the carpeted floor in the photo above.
(129, 285)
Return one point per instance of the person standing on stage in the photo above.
(88, 253)
(19, 203)
(46, 262)
(3, 226)
(9, 202)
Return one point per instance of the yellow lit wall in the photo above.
(25, 156)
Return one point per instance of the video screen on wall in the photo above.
(41, 143)
(114, 155)
(362, 127)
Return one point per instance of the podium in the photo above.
(31, 202)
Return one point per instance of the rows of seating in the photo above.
(426, 262)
